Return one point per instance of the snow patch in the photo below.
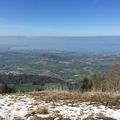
(19, 105)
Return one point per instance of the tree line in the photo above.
(108, 82)
(6, 80)
(98, 82)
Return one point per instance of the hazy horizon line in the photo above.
(59, 36)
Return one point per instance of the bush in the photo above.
(4, 88)
(86, 85)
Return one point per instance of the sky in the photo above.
(59, 17)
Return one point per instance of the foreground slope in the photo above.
(60, 106)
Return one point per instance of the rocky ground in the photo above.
(46, 106)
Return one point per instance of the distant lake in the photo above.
(79, 44)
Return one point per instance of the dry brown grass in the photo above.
(100, 117)
(105, 118)
(1, 118)
(107, 99)
(48, 118)
(17, 118)
(41, 110)
(39, 118)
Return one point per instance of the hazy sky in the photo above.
(60, 17)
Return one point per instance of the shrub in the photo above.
(4, 88)
(41, 110)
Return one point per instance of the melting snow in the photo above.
(18, 106)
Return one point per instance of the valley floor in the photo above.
(59, 106)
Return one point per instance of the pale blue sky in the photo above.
(60, 17)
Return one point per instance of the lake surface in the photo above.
(79, 44)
